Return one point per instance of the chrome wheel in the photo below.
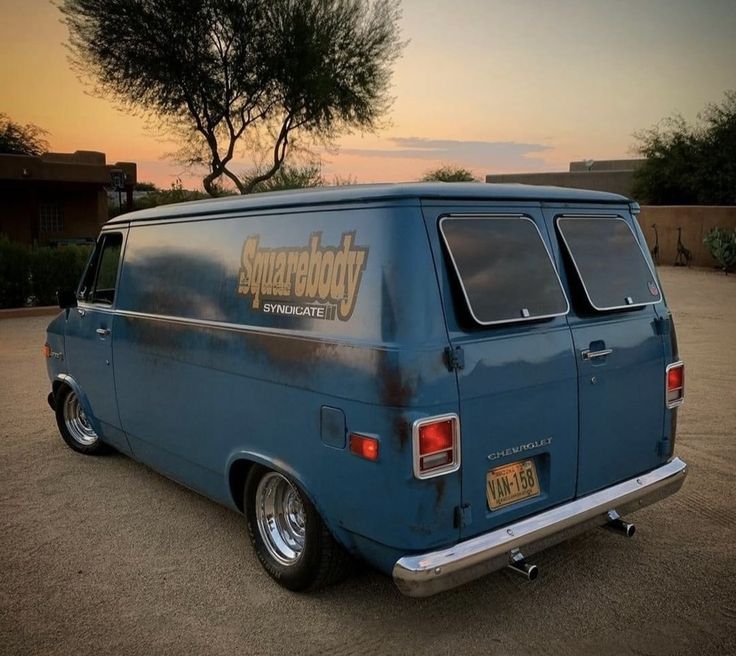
(281, 518)
(76, 422)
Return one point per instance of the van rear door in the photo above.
(618, 344)
(516, 373)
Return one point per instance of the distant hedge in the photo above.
(33, 275)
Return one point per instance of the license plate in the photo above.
(511, 483)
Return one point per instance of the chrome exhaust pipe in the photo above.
(616, 523)
(519, 566)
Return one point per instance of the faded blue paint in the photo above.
(192, 399)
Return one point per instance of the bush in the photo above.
(449, 173)
(14, 273)
(37, 273)
(56, 268)
(690, 164)
(722, 245)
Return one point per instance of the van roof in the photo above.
(372, 193)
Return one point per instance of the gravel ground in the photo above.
(104, 556)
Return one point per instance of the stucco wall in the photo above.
(695, 220)
(616, 182)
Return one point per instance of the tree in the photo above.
(291, 176)
(449, 173)
(690, 164)
(224, 74)
(17, 139)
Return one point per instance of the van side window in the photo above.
(609, 262)
(504, 268)
(98, 284)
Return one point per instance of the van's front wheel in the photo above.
(288, 535)
(74, 425)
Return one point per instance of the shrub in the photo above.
(37, 273)
(449, 173)
(14, 270)
(722, 245)
(56, 268)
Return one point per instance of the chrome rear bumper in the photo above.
(429, 573)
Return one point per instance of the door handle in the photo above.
(591, 355)
(81, 312)
(103, 332)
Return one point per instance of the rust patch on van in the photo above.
(295, 355)
(393, 391)
(440, 483)
(291, 353)
(402, 430)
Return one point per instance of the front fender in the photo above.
(68, 380)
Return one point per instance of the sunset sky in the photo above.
(491, 85)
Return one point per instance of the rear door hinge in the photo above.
(454, 358)
(463, 516)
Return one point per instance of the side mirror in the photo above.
(66, 298)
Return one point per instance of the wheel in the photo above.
(288, 535)
(74, 425)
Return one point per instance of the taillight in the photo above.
(675, 384)
(436, 445)
(46, 350)
(364, 446)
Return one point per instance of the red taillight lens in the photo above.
(675, 384)
(46, 350)
(436, 446)
(364, 446)
(435, 437)
(675, 378)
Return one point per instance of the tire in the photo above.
(288, 535)
(74, 425)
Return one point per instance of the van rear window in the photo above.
(504, 268)
(609, 262)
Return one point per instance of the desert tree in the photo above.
(18, 139)
(229, 75)
(449, 173)
(690, 164)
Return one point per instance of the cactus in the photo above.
(722, 245)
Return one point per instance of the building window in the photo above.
(51, 217)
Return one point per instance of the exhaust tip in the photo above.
(619, 525)
(519, 566)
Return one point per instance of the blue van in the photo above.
(440, 379)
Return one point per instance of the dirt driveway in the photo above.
(103, 556)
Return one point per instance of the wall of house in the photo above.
(616, 182)
(74, 183)
(695, 220)
(84, 210)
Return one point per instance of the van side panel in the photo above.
(213, 363)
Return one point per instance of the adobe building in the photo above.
(612, 175)
(59, 198)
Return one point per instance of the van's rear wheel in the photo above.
(288, 535)
(74, 425)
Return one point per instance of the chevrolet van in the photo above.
(440, 379)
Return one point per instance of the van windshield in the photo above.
(504, 269)
(609, 262)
